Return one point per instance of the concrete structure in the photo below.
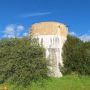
(52, 35)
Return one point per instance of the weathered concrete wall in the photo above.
(52, 36)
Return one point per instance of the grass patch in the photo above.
(70, 82)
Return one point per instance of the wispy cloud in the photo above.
(25, 34)
(84, 37)
(12, 31)
(36, 14)
(72, 33)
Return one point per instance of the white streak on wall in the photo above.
(53, 45)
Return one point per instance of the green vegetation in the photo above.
(22, 61)
(23, 65)
(76, 56)
(72, 82)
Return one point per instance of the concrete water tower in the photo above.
(52, 35)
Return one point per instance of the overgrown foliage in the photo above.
(22, 61)
(76, 56)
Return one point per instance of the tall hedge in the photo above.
(76, 56)
(22, 61)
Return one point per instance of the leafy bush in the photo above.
(22, 61)
(82, 59)
(76, 56)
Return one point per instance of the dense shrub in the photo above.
(76, 56)
(22, 61)
(82, 59)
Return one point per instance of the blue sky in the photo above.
(18, 15)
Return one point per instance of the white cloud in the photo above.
(36, 14)
(9, 31)
(25, 34)
(72, 33)
(12, 31)
(9, 28)
(85, 37)
(20, 28)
